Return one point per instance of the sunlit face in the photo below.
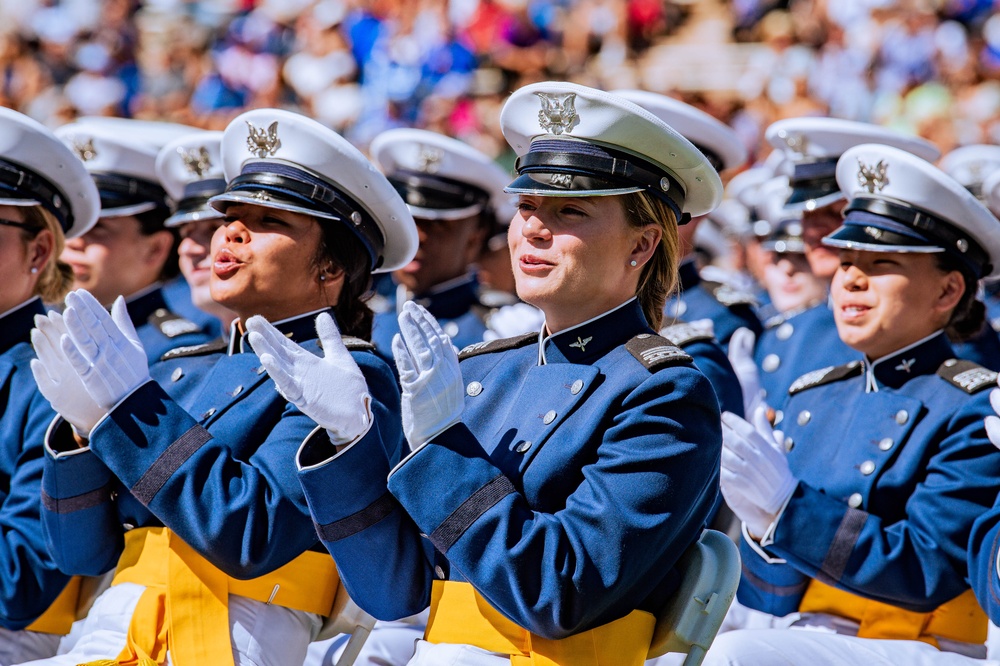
(570, 256)
(790, 283)
(264, 262)
(447, 248)
(16, 279)
(195, 259)
(115, 258)
(884, 301)
(816, 224)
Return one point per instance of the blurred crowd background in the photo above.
(363, 66)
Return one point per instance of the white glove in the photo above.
(993, 422)
(330, 390)
(516, 319)
(741, 357)
(57, 380)
(432, 395)
(756, 480)
(103, 349)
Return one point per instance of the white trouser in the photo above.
(18, 646)
(446, 654)
(389, 644)
(261, 634)
(824, 647)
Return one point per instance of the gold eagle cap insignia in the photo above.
(872, 178)
(429, 159)
(84, 148)
(263, 143)
(196, 160)
(558, 113)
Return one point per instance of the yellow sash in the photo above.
(185, 607)
(461, 615)
(961, 619)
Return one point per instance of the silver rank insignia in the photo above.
(872, 178)
(581, 343)
(974, 379)
(429, 159)
(263, 143)
(558, 114)
(196, 160)
(810, 378)
(84, 148)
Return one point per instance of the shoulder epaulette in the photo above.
(195, 350)
(357, 344)
(775, 320)
(172, 325)
(656, 352)
(494, 298)
(828, 375)
(966, 375)
(728, 295)
(503, 344)
(684, 333)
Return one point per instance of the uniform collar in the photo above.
(688, 273)
(143, 303)
(447, 300)
(923, 357)
(16, 323)
(298, 329)
(593, 338)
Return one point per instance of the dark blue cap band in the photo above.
(22, 183)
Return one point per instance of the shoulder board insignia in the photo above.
(826, 375)
(503, 344)
(966, 375)
(494, 298)
(172, 325)
(776, 320)
(729, 296)
(196, 350)
(684, 333)
(656, 352)
(357, 344)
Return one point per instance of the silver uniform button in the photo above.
(576, 387)
(770, 363)
(473, 389)
(208, 413)
(237, 391)
(886, 443)
(549, 417)
(261, 370)
(523, 447)
(128, 526)
(867, 467)
(950, 362)
(804, 417)
(789, 444)
(902, 416)
(784, 331)
(451, 328)
(439, 572)
(854, 501)
(176, 374)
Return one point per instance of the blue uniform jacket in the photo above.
(29, 580)
(728, 308)
(160, 329)
(575, 480)
(206, 449)
(177, 294)
(711, 359)
(458, 307)
(893, 466)
(983, 349)
(794, 345)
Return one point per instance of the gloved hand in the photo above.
(511, 320)
(432, 396)
(741, 357)
(103, 349)
(756, 480)
(993, 422)
(56, 378)
(330, 390)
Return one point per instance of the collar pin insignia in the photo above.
(872, 178)
(581, 343)
(558, 114)
(906, 364)
(263, 143)
(197, 160)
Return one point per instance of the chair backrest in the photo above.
(710, 571)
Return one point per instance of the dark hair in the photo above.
(659, 276)
(340, 249)
(151, 222)
(969, 316)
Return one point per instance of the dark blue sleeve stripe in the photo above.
(481, 501)
(78, 502)
(843, 544)
(358, 521)
(163, 468)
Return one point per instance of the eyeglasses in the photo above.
(19, 225)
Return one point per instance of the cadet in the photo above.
(187, 484)
(811, 146)
(44, 193)
(559, 475)
(858, 517)
(190, 170)
(455, 194)
(129, 252)
(991, 288)
(726, 307)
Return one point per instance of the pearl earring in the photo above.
(34, 269)
(322, 278)
(633, 263)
